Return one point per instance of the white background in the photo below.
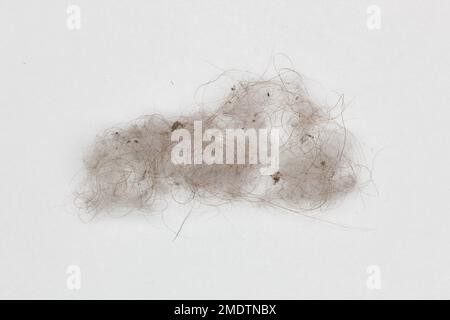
(60, 87)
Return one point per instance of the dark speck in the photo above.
(276, 177)
(177, 125)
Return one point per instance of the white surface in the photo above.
(60, 87)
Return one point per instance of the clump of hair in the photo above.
(129, 167)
